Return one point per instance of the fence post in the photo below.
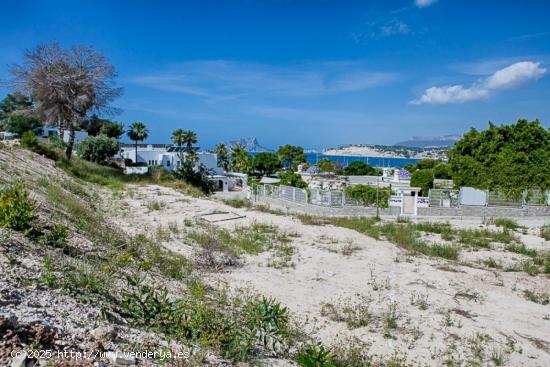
(294, 194)
(343, 198)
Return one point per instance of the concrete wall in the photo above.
(487, 211)
(324, 211)
(464, 211)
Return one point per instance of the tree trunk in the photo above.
(135, 158)
(70, 144)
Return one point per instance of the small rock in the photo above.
(106, 332)
(19, 361)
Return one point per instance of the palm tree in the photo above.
(190, 138)
(138, 132)
(223, 156)
(240, 158)
(178, 137)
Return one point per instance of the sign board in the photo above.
(422, 202)
(395, 201)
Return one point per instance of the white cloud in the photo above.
(218, 80)
(424, 3)
(511, 76)
(380, 28)
(451, 94)
(394, 27)
(515, 75)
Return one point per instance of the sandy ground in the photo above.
(470, 312)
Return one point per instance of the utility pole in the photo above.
(377, 202)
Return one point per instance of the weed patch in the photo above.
(238, 203)
(355, 314)
(540, 298)
(545, 232)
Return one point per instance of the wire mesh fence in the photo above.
(444, 198)
(495, 198)
(448, 198)
(282, 192)
(536, 197)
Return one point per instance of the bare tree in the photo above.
(66, 85)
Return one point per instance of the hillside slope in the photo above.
(75, 283)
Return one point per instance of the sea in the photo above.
(312, 158)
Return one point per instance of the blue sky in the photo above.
(315, 73)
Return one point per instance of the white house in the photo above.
(5, 135)
(231, 181)
(166, 156)
(51, 131)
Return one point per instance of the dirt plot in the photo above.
(484, 308)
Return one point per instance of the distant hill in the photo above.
(250, 144)
(429, 142)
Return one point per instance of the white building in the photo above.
(52, 131)
(231, 181)
(166, 156)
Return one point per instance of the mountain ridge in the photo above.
(250, 144)
(429, 141)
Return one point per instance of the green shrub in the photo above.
(315, 356)
(56, 236)
(233, 327)
(20, 124)
(545, 232)
(196, 176)
(289, 178)
(326, 165)
(367, 195)
(359, 168)
(146, 305)
(98, 149)
(266, 163)
(57, 141)
(17, 210)
(504, 158)
(30, 141)
(423, 178)
(427, 164)
(442, 171)
(270, 321)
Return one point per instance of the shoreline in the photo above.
(365, 155)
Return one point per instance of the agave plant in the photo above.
(315, 355)
(270, 322)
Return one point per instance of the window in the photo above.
(167, 163)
